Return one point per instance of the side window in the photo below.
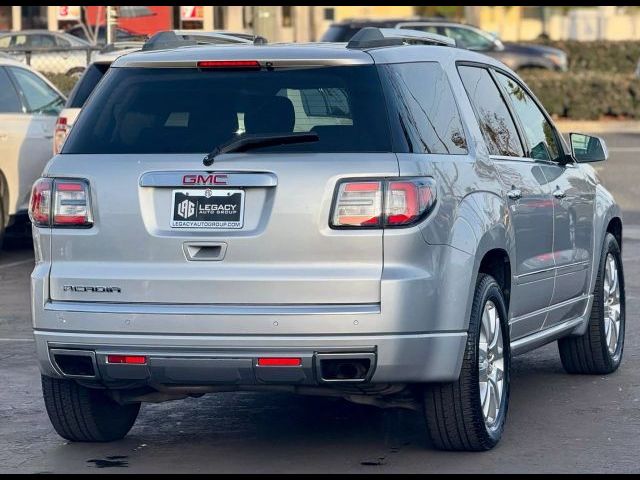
(492, 113)
(62, 42)
(42, 41)
(469, 39)
(422, 28)
(423, 108)
(5, 42)
(9, 101)
(40, 97)
(538, 131)
(20, 41)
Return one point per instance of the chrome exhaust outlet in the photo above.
(345, 367)
(79, 364)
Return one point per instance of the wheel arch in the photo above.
(4, 198)
(483, 229)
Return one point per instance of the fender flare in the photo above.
(482, 224)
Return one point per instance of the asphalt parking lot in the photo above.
(557, 422)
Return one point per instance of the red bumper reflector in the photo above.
(279, 362)
(127, 359)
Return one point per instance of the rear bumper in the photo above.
(232, 360)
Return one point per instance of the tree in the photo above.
(452, 11)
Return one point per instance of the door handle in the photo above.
(204, 251)
(514, 194)
(559, 194)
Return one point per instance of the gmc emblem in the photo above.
(211, 179)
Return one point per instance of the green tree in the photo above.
(452, 11)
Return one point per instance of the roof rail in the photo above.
(372, 37)
(182, 38)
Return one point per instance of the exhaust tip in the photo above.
(345, 367)
(75, 363)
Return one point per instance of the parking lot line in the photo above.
(17, 340)
(15, 264)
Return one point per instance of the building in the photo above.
(277, 23)
(308, 23)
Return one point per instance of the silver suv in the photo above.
(389, 221)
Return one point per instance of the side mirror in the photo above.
(498, 46)
(588, 149)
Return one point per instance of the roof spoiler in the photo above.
(182, 38)
(372, 37)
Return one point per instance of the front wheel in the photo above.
(599, 350)
(470, 413)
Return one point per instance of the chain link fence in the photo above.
(63, 66)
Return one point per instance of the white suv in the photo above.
(29, 104)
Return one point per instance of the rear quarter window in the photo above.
(423, 112)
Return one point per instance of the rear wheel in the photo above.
(82, 414)
(470, 413)
(599, 350)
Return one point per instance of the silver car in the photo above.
(48, 52)
(389, 221)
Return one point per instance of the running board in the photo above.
(543, 337)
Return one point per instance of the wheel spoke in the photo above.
(493, 403)
(613, 284)
(490, 364)
(613, 339)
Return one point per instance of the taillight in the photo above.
(408, 200)
(60, 134)
(40, 203)
(358, 204)
(383, 203)
(60, 203)
(230, 64)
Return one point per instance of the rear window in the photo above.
(149, 110)
(92, 75)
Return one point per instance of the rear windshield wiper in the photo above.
(249, 141)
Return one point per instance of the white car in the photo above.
(85, 85)
(29, 105)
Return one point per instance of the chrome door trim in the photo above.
(550, 308)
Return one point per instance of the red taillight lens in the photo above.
(279, 362)
(127, 359)
(40, 203)
(60, 203)
(230, 64)
(358, 204)
(71, 206)
(361, 204)
(408, 200)
(60, 135)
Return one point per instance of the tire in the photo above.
(3, 227)
(454, 411)
(590, 354)
(82, 414)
